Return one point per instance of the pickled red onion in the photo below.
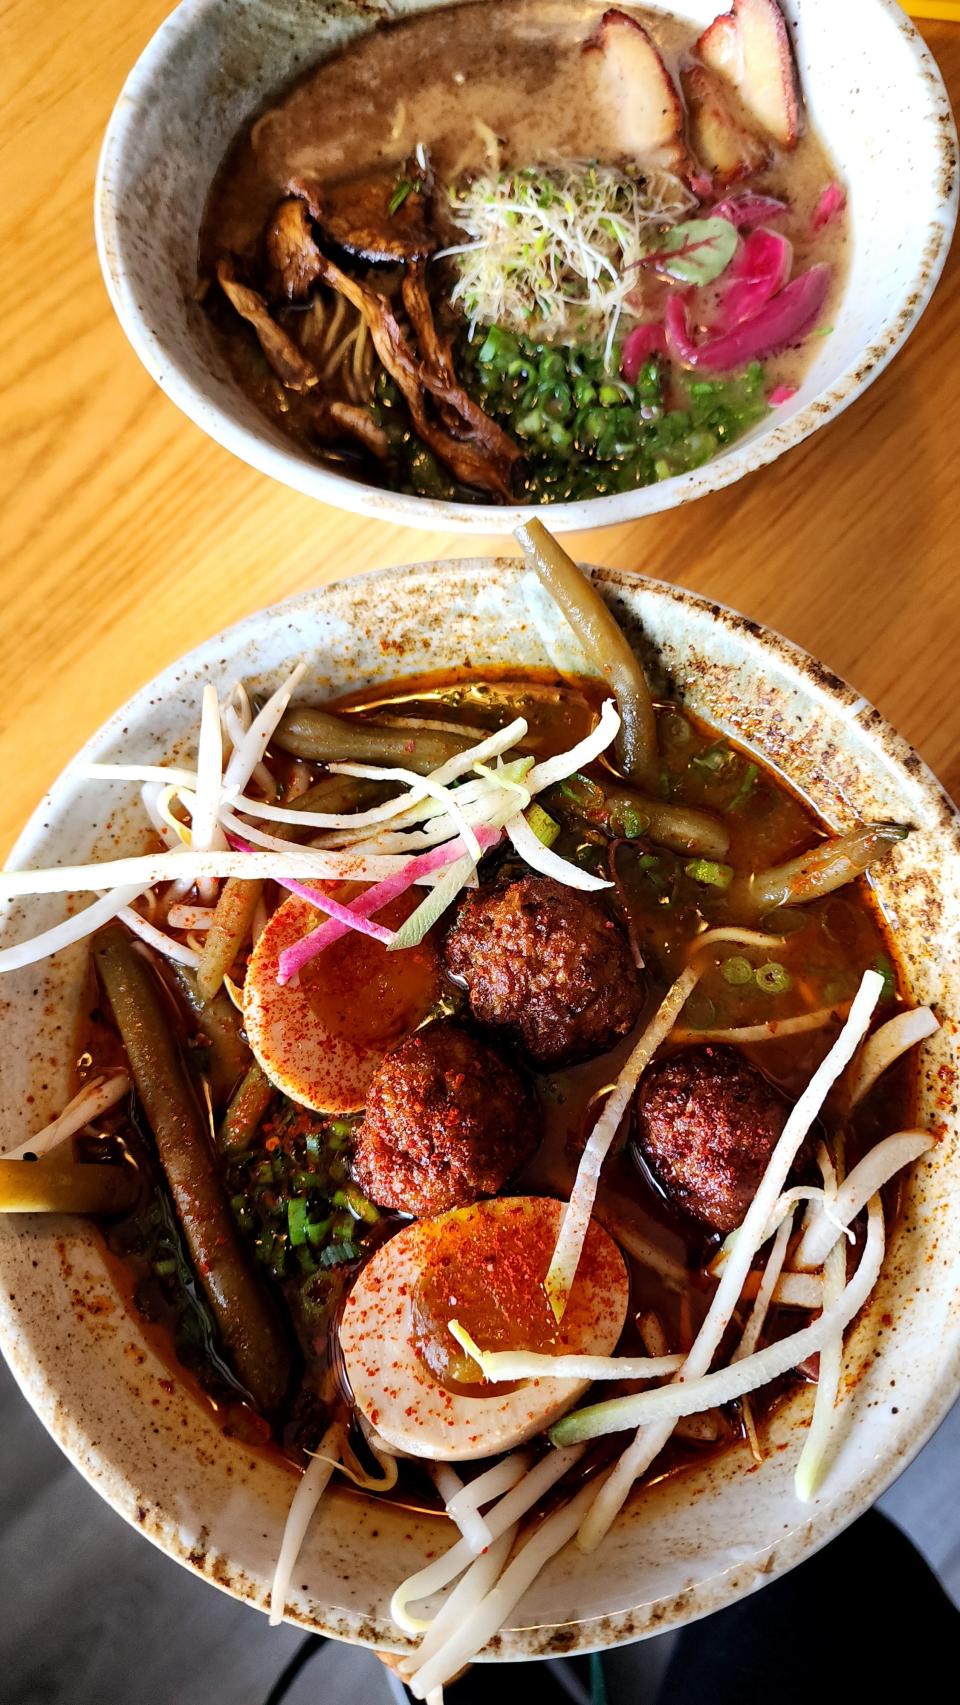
(760, 269)
(749, 209)
(832, 202)
(639, 345)
(785, 320)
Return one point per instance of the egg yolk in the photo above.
(485, 1267)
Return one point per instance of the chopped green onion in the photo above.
(399, 196)
(586, 797)
(542, 824)
(713, 759)
(884, 966)
(337, 1254)
(297, 1220)
(745, 790)
(711, 874)
(773, 979)
(627, 820)
(357, 1204)
(737, 971)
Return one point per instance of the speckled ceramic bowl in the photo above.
(873, 91)
(688, 1546)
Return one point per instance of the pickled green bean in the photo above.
(219, 1022)
(323, 738)
(248, 1107)
(231, 925)
(682, 828)
(825, 868)
(331, 793)
(57, 1186)
(605, 644)
(252, 1332)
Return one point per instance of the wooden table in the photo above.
(128, 536)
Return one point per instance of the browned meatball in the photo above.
(708, 1123)
(549, 964)
(447, 1122)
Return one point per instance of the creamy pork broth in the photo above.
(436, 123)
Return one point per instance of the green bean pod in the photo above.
(231, 925)
(252, 1333)
(606, 646)
(821, 871)
(323, 738)
(248, 1107)
(682, 828)
(219, 1021)
(333, 794)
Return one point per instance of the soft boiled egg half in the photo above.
(483, 1266)
(321, 1037)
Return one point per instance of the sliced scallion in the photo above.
(543, 825)
(709, 872)
(737, 971)
(773, 979)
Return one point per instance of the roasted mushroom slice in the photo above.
(293, 258)
(484, 456)
(288, 362)
(336, 420)
(379, 216)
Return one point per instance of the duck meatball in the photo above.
(708, 1123)
(447, 1121)
(548, 964)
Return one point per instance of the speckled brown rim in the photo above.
(728, 644)
(762, 447)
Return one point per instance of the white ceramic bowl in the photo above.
(872, 89)
(685, 1547)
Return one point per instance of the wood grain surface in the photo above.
(128, 536)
